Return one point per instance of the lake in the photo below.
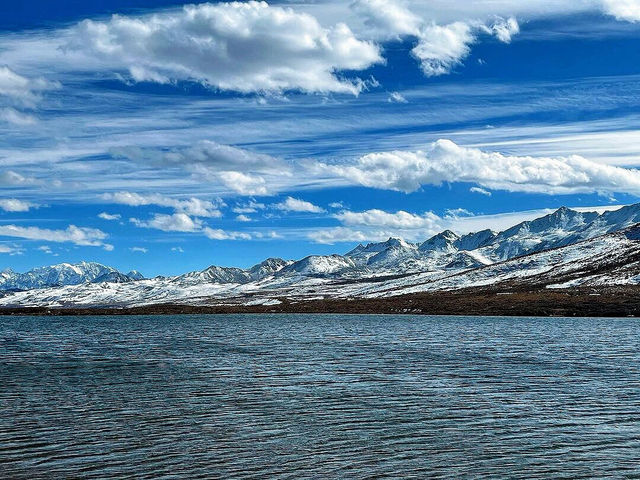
(319, 396)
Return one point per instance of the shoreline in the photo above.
(619, 301)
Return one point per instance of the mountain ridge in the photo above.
(438, 262)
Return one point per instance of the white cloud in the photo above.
(330, 236)
(441, 48)
(336, 205)
(217, 234)
(109, 216)
(504, 29)
(138, 250)
(242, 46)
(243, 218)
(291, 204)
(10, 178)
(190, 206)
(628, 10)
(456, 213)
(11, 249)
(178, 222)
(15, 205)
(444, 161)
(481, 191)
(13, 116)
(249, 207)
(76, 235)
(380, 218)
(243, 183)
(177, 249)
(22, 90)
(396, 97)
(387, 18)
(223, 157)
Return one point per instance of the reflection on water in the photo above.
(321, 396)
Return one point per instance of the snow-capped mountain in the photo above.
(566, 247)
(64, 274)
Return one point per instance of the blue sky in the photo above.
(168, 138)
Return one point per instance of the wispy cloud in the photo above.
(189, 206)
(77, 235)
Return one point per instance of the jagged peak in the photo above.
(442, 240)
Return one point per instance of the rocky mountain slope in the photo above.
(563, 249)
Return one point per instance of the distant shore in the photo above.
(620, 301)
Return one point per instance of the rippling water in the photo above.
(319, 396)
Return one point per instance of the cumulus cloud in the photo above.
(15, 205)
(388, 18)
(109, 216)
(178, 222)
(241, 46)
(504, 29)
(444, 161)
(441, 48)
(481, 191)
(189, 206)
(628, 10)
(244, 183)
(243, 218)
(329, 236)
(291, 204)
(380, 218)
(77, 235)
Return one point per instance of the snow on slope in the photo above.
(54, 275)
(564, 248)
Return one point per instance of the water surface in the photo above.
(319, 396)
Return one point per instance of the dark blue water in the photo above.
(319, 396)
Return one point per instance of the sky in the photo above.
(167, 137)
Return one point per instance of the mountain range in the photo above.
(566, 248)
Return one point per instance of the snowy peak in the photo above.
(54, 275)
(135, 275)
(214, 274)
(319, 265)
(268, 267)
(442, 242)
(473, 241)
